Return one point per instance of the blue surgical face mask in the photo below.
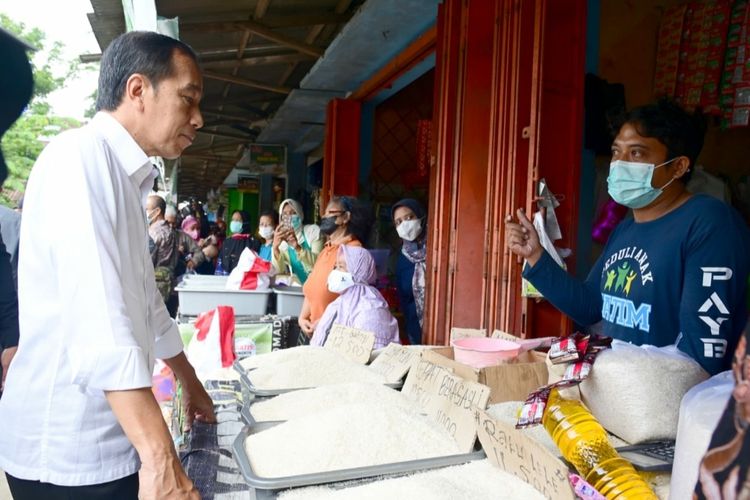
(235, 226)
(296, 221)
(629, 183)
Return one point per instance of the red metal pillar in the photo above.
(341, 161)
(508, 110)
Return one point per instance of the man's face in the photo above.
(171, 115)
(633, 147)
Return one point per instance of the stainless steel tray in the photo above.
(249, 388)
(266, 487)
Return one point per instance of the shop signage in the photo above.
(248, 183)
(264, 159)
(352, 343)
(510, 450)
(394, 362)
(447, 399)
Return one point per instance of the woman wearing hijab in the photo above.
(410, 220)
(295, 246)
(345, 223)
(359, 305)
(240, 239)
(192, 228)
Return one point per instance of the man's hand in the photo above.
(163, 477)
(5, 358)
(190, 265)
(522, 239)
(197, 404)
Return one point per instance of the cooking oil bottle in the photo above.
(583, 442)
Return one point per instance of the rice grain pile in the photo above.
(347, 436)
(312, 401)
(279, 356)
(477, 480)
(312, 368)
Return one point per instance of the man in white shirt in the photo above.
(78, 417)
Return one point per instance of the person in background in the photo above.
(192, 228)
(240, 239)
(211, 254)
(359, 305)
(78, 415)
(295, 246)
(16, 84)
(345, 222)
(673, 274)
(171, 216)
(266, 227)
(10, 229)
(410, 220)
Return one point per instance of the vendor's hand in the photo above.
(164, 478)
(197, 404)
(190, 265)
(279, 235)
(522, 239)
(307, 326)
(5, 358)
(292, 241)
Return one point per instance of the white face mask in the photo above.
(409, 229)
(339, 281)
(266, 232)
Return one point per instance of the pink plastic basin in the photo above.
(481, 352)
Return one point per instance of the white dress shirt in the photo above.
(91, 318)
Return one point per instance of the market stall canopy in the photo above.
(253, 53)
(272, 66)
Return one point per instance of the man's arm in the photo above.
(161, 472)
(8, 314)
(713, 310)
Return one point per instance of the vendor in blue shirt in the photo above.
(674, 273)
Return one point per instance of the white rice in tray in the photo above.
(477, 480)
(279, 356)
(347, 436)
(312, 401)
(312, 369)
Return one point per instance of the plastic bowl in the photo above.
(480, 352)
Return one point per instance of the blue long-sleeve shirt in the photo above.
(679, 279)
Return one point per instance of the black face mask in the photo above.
(328, 225)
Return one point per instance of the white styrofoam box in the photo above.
(196, 299)
(289, 300)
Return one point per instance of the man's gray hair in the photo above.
(171, 211)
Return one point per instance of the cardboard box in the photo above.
(507, 382)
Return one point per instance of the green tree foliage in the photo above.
(26, 139)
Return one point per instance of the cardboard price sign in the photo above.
(352, 343)
(394, 362)
(510, 450)
(447, 399)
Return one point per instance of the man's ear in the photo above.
(135, 89)
(347, 216)
(680, 166)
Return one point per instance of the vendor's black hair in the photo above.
(360, 218)
(272, 214)
(147, 53)
(681, 132)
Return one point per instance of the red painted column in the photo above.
(341, 161)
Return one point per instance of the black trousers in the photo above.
(120, 489)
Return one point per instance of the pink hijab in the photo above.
(360, 306)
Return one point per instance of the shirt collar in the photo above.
(129, 154)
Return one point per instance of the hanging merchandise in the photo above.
(669, 47)
(735, 83)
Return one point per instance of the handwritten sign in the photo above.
(447, 399)
(394, 362)
(352, 343)
(510, 450)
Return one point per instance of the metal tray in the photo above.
(249, 388)
(268, 487)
